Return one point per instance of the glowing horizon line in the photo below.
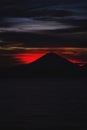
(9, 48)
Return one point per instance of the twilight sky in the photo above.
(28, 25)
(44, 22)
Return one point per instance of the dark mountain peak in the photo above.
(49, 65)
(52, 59)
(49, 62)
(51, 55)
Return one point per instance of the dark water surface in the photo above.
(43, 103)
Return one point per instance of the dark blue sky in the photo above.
(46, 22)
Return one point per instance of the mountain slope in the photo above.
(48, 65)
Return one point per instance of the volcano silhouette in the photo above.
(49, 65)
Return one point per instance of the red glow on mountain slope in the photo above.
(73, 59)
(26, 58)
(77, 62)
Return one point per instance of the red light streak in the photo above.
(26, 58)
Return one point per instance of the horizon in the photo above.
(13, 55)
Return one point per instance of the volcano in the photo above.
(49, 65)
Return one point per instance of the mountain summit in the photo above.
(52, 63)
(49, 65)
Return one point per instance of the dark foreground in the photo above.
(50, 103)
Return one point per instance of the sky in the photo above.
(32, 28)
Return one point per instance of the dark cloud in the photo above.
(71, 14)
(49, 38)
(29, 8)
(81, 23)
(52, 13)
